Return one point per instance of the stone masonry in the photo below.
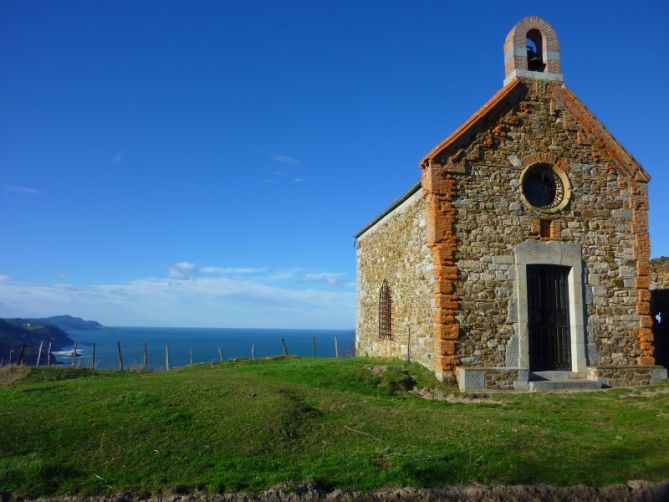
(396, 250)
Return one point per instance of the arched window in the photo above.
(535, 51)
(385, 311)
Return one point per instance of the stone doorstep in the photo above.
(557, 375)
(474, 379)
(570, 385)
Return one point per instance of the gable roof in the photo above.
(585, 118)
(471, 122)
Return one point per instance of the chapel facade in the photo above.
(521, 257)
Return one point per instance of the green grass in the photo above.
(345, 423)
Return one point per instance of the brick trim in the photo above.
(439, 189)
(515, 52)
(591, 131)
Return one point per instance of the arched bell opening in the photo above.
(535, 51)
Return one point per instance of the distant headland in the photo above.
(23, 336)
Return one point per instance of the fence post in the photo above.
(48, 356)
(74, 355)
(253, 351)
(190, 355)
(167, 358)
(93, 357)
(409, 344)
(119, 356)
(313, 346)
(23, 349)
(11, 353)
(39, 352)
(220, 354)
(146, 357)
(283, 346)
(336, 348)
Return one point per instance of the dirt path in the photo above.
(632, 491)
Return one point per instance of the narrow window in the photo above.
(535, 52)
(545, 229)
(385, 311)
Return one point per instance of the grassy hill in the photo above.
(346, 423)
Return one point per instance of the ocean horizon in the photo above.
(235, 343)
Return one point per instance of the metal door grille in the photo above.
(548, 317)
(385, 311)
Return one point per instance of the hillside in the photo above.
(15, 332)
(68, 323)
(659, 273)
(347, 423)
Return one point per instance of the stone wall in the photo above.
(659, 273)
(395, 249)
(624, 376)
(491, 219)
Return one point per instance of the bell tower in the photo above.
(532, 51)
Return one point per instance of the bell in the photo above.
(534, 61)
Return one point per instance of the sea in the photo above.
(202, 342)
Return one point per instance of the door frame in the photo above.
(531, 252)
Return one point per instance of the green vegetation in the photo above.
(16, 332)
(346, 423)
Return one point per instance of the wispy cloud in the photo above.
(118, 157)
(281, 275)
(229, 270)
(4, 278)
(325, 277)
(201, 301)
(285, 159)
(183, 270)
(298, 180)
(23, 190)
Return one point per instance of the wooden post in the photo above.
(313, 346)
(23, 349)
(48, 356)
(93, 357)
(409, 344)
(146, 357)
(39, 353)
(283, 346)
(190, 355)
(119, 356)
(336, 348)
(167, 358)
(11, 353)
(220, 354)
(74, 355)
(253, 351)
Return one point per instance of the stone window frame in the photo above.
(386, 311)
(559, 167)
(532, 252)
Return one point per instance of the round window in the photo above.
(544, 188)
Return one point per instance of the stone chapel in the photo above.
(520, 260)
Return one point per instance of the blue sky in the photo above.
(207, 163)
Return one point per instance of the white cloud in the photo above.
(285, 159)
(4, 278)
(201, 301)
(118, 157)
(183, 270)
(229, 270)
(23, 190)
(326, 277)
(298, 180)
(281, 275)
